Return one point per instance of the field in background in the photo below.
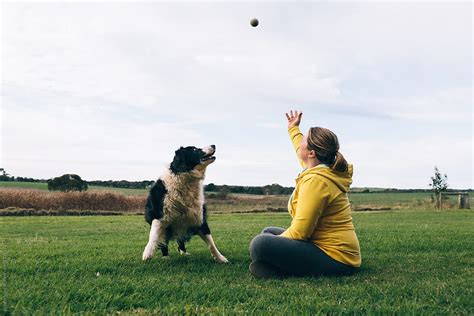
(414, 262)
(28, 198)
(38, 202)
(44, 187)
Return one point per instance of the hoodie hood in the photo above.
(342, 180)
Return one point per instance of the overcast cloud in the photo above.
(108, 90)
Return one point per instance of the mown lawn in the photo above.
(413, 262)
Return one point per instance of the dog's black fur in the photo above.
(185, 160)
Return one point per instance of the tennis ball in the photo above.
(254, 22)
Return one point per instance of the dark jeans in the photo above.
(288, 257)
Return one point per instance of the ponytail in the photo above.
(340, 163)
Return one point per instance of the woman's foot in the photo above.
(262, 270)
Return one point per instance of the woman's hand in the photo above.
(294, 119)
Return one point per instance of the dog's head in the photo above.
(192, 158)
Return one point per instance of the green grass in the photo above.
(413, 263)
(23, 185)
(120, 190)
(390, 199)
(402, 199)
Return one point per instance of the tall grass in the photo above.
(91, 201)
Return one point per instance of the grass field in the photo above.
(413, 263)
(44, 187)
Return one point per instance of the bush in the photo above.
(223, 192)
(67, 183)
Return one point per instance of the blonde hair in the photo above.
(326, 146)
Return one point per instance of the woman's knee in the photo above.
(266, 230)
(258, 245)
(272, 230)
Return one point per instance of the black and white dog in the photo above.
(175, 207)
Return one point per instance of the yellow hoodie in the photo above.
(321, 211)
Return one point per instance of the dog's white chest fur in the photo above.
(183, 202)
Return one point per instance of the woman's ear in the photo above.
(311, 154)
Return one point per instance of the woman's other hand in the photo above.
(294, 118)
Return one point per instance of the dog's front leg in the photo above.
(155, 233)
(212, 247)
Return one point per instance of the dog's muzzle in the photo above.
(209, 151)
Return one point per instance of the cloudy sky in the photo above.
(108, 90)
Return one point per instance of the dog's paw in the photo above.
(184, 253)
(165, 257)
(147, 254)
(221, 259)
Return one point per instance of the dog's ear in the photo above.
(179, 163)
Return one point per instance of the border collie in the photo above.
(175, 207)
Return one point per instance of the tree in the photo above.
(273, 189)
(211, 187)
(223, 192)
(438, 184)
(4, 176)
(66, 183)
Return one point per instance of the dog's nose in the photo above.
(213, 147)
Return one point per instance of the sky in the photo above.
(109, 90)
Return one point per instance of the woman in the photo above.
(321, 239)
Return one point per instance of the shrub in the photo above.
(67, 183)
(223, 192)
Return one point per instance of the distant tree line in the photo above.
(271, 189)
(124, 184)
(222, 190)
(4, 176)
